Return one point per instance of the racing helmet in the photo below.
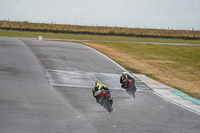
(124, 73)
(97, 82)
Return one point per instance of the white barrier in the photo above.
(40, 38)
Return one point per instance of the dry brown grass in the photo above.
(101, 30)
(185, 81)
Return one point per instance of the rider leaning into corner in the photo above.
(98, 86)
(124, 78)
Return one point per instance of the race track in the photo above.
(46, 87)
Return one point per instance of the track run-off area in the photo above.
(46, 87)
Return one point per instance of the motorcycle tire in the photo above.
(108, 106)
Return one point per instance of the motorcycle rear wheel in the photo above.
(107, 105)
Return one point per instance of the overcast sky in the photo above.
(176, 14)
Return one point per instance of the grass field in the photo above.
(177, 66)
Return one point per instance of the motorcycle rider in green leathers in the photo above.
(98, 86)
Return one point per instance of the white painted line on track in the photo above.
(82, 79)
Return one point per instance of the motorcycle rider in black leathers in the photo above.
(124, 78)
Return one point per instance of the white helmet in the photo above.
(124, 73)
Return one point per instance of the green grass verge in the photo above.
(176, 57)
(14, 33)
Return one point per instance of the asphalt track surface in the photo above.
(46, 87)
